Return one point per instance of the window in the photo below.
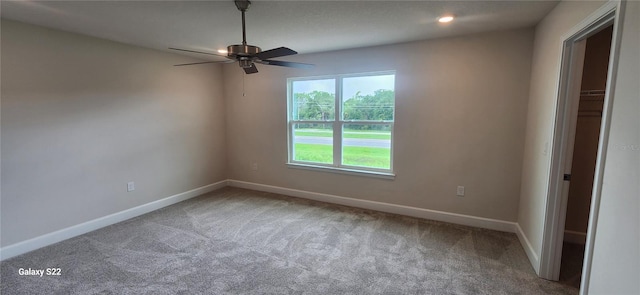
(342, 122)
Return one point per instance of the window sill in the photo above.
(355, 172)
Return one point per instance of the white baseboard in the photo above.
(528, 249)
(76, 230)
(455, 218)
(575, 237)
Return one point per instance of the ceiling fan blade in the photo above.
(193, 51)
(276, 52)
(251, 70)
(287, 64)
(197, 63)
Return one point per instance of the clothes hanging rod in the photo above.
(592, 92)
(589, 114)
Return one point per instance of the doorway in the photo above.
(564, 135)
(585, 150)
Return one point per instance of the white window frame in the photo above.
(338, 124)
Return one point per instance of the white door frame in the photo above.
(564, 134)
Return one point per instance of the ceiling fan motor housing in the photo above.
(243, 53)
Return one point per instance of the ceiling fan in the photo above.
(247, 55)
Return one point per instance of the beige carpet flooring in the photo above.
(236, 241)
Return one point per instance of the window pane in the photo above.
(368, 98)
(313, 143)
(314, 99)
(366, 145)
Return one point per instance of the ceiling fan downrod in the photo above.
(243, 6)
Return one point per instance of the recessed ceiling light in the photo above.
(223, 51)
(445, 19)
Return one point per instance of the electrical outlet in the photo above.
(131, 186)
(254, 166)
(460, 191)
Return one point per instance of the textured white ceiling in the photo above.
(305, 26)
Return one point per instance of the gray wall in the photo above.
(616, 256)
(83, 116)
(460, 120)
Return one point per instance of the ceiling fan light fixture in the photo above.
(245, 63)
(445, 19)
(223, 51)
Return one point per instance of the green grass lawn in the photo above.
(352, 155)
(369, 134)
(319, 153)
